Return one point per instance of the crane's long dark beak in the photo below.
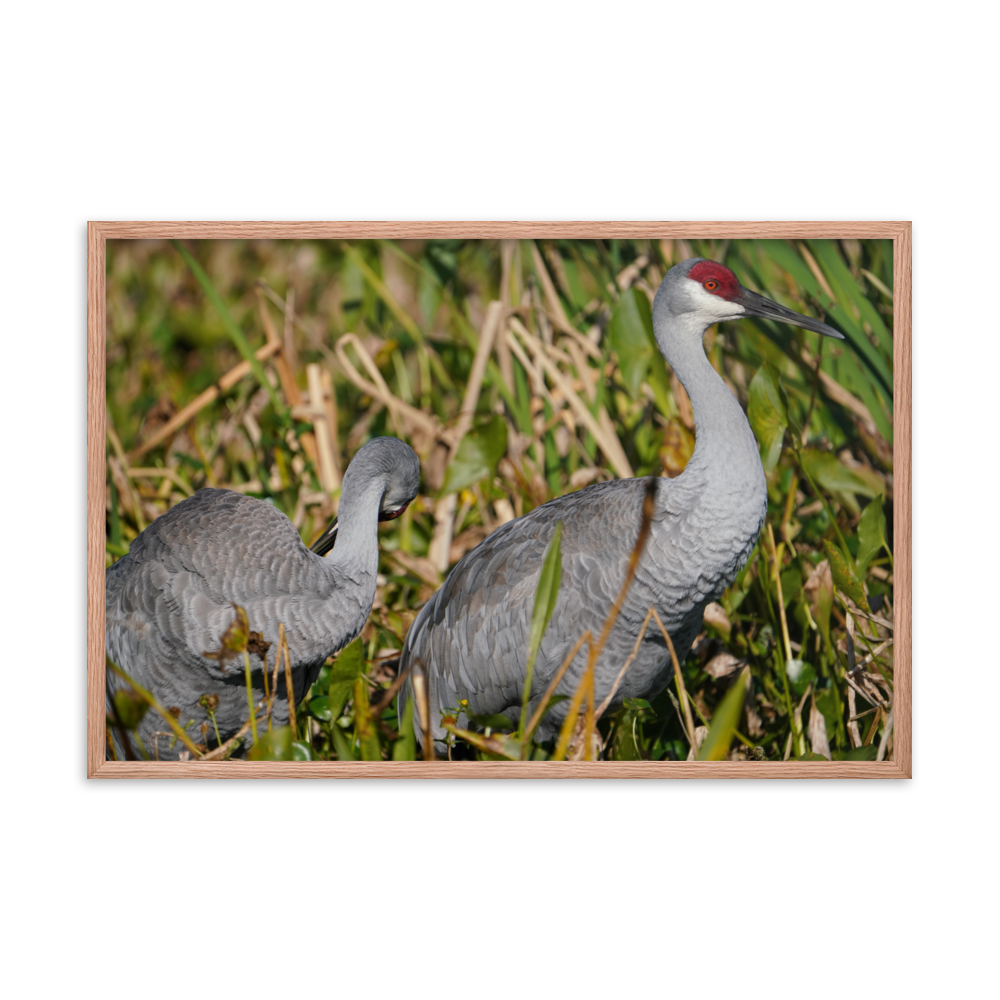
(757, 305)
(326, 541)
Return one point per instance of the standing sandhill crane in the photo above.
(471, 639)
(169, 601)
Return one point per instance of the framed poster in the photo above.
(548, 265)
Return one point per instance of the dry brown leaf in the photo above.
(817, 732)
(722, 665)
(421, 568)
(700, 733)
(715, 615)
(583, 477)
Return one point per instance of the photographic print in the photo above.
(537, 499)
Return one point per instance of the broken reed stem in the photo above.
(168, 475)
(608, 443)
(328, 475)
(444, 509)
(679, 681)
(491, 324)
(853, 729)
(886, 732)
(379, 390)
(874, 725)
(150, 700)
(330, 409)
(587, 681)
(222, 751)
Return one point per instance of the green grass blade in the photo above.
(405, 748)
(834, 270)
(725, 721)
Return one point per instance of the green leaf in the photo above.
(629, 737)
(319, 708)
(637, 703)
(477, 457)
(546, 596)
(405, 748)
(131, 707)
(724, 720)
(820, 592)
(343, 745)
(767, 413)
(301, 751)
(871, 534)
(847, 291)
(830, 473)
(844, 577)
(631, 336)
(791, 584)
(829, 705)
(811, 756)
(349, 666)
(275, 745)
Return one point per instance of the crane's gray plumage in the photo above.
(171, 598)
(471, 639)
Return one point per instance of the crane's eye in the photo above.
(711, 285)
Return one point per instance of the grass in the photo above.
(557, 386)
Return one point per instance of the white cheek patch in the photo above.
(714, 305)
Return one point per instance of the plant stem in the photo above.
(253, 714)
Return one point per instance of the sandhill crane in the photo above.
(170, 600)
(471, 639)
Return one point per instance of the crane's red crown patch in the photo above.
(726, 284)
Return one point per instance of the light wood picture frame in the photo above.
(898, 232)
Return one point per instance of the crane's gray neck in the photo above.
(355, 555)
(724, 444)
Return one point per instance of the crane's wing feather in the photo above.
(473, 634)
(170, 600)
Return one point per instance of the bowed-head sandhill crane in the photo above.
(471, 639)
(170, 600)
